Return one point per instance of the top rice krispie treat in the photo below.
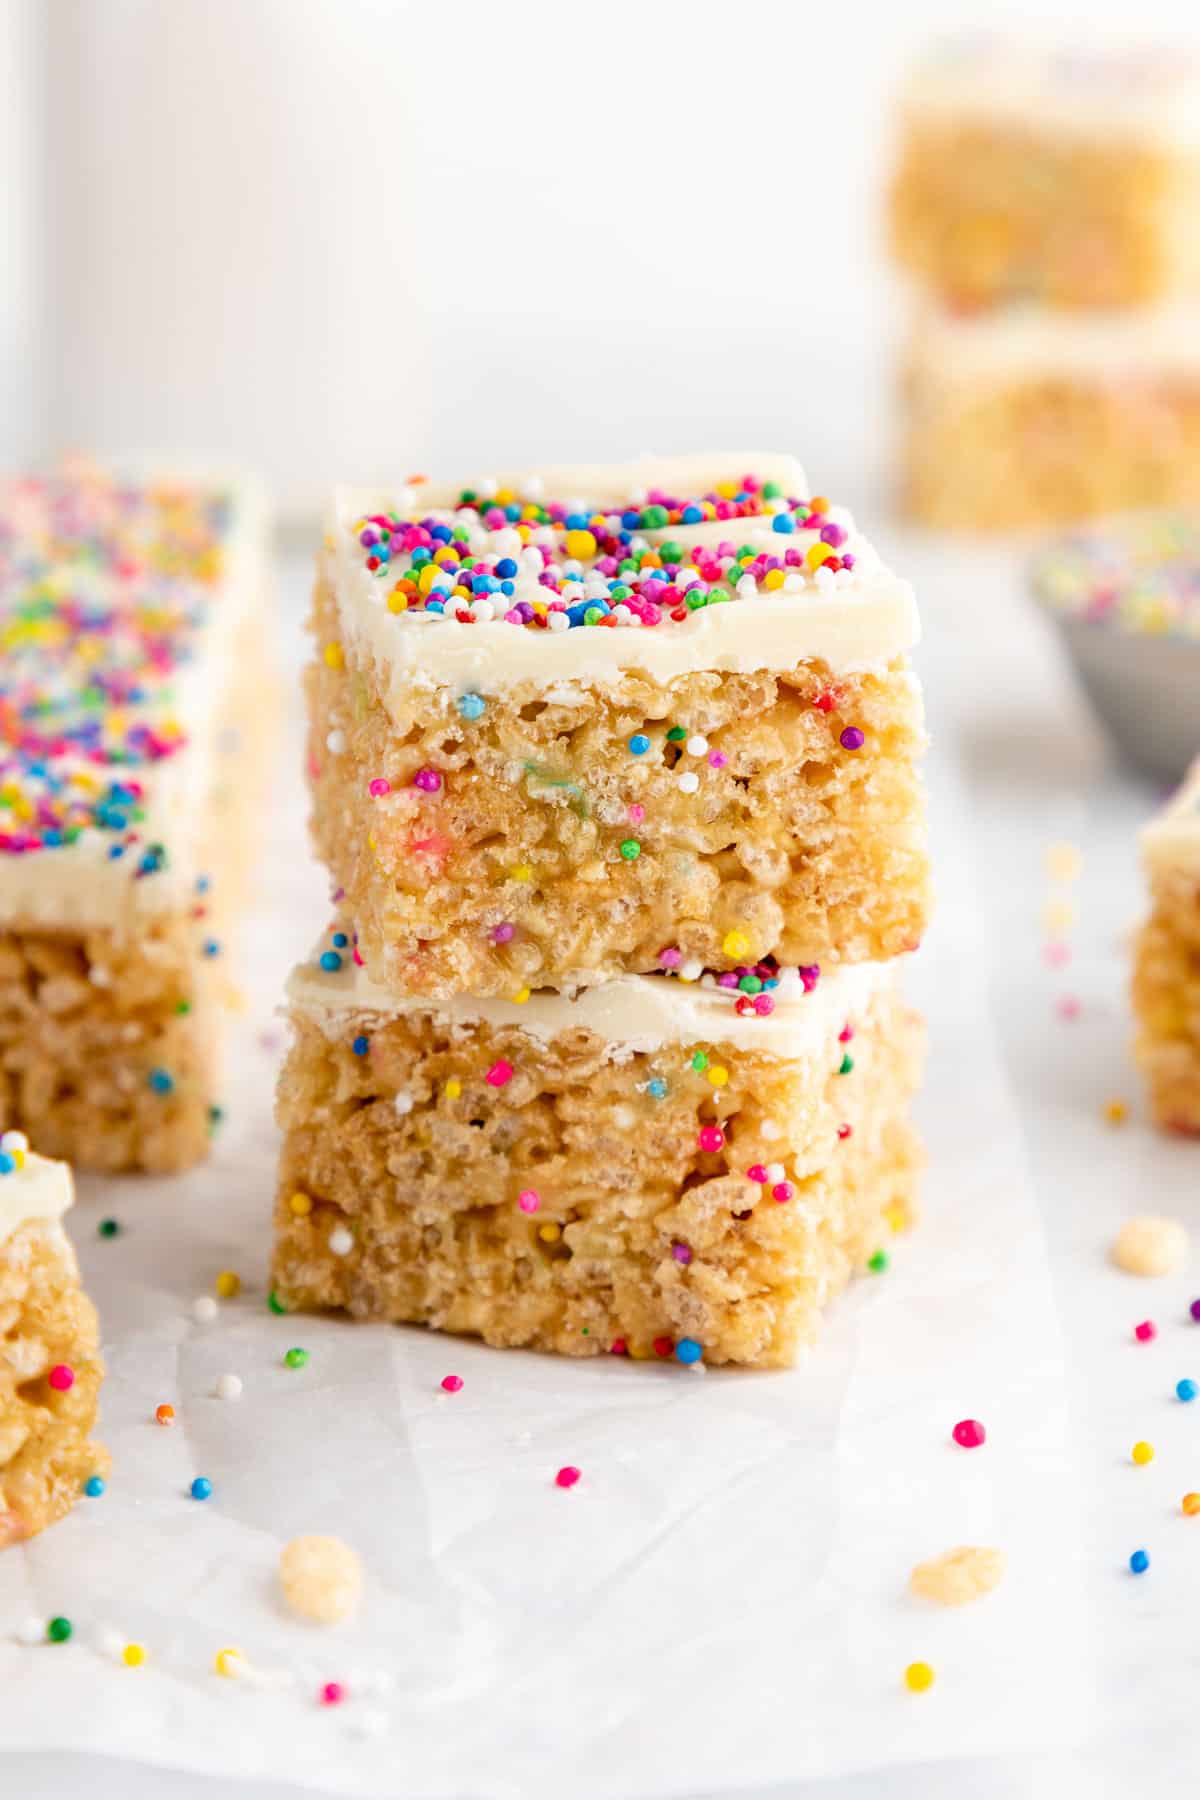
(1067, 176)
(611, 720)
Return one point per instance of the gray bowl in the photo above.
(1145, 689)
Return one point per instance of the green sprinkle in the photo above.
(847, 1064)
(59, 1630)
(631, 849)
(676, 734)
(183, 1006)
(275, 1303)
(296, 1359)
(108, 1228)
(699, 1062)
(878, 1263)
(771, 490)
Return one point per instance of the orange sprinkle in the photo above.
(165, 1414)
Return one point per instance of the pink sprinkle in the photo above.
(504, 932)
(499, 1073)
(428, 780)
(711, 1138)
(781, 1191)
(528, 1200)
(451, 1383)
(757, 1172)
(332, 1694)
(969, 1433)
(1068, 1006)
(846, 1034)
(1057, 955)
(62, 1377)
(379, 787)
(681, 1252)
(567, 1477)
(844, 1132)
(717, 759)
(670, 959)
(637, 813)
(1146, 1332)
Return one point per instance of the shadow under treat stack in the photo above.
(615, 771)
(1045, 207)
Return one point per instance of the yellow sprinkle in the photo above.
(397, 603)
(1142, 1452)
(521, 996)
(521, 872)
(1058, 915)
(581, 545)
(453, 1088)
(897, 1216)
(427, 577)
(727, 490)
(717, 1075)
(334, 658)
(735, 943)
(229, 1285)
(550, 1232)
(814, 556)
(1063, 862)
(1116, 1111)
(301, 1204)
(229, 1662)
(918, 1678)
(774, 578)
(133, 1656)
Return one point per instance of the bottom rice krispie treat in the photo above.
(653, 1166)
(50, 1367)
(1166, 976)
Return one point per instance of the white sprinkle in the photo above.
(532, 488)
(508, 541)
(691, 970)
(403, 1103)
(229, 1387)
(31, 1631)
(99, 976)
(697, 746)
(622, 614)
(335, 742)
(14, 1140)
(488, 488)
(341, 1242)
(110, 1642)
(688, 782)
(775, 1171)
(747, 587)
(793, 581)
(204, 1310)
(557, 621)
(482, 609)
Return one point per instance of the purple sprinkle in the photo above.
(504, 932)
(1194, 1309)
(681, 1252)
(810, 974)
(852, 738)
(428, 780)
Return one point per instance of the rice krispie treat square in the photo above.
(614, 720)
(1025, 416)
(652, 1167)
(133, 705)
(1067, 177)
(1166, 975)
(50, 1367)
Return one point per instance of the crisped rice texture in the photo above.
(998, 456)
(46, 1453)
(985, 213)
(552, 851)
(639, 1234)
(89, 1025)
(1166, 998)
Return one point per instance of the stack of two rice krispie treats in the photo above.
(615, 773)
(1043, 207)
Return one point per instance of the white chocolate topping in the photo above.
(36, 1189)
(1172, 839)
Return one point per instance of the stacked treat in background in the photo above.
(1045, 206)
(615, 771)
(132, 694)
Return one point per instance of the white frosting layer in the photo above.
(1012, 342)
(1172, 840)
(40, 1190)
(634, 1013)
(858, 619)
(1138, 93)
(78, 886)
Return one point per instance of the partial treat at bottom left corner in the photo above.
(50, 1364)
(652, 1166)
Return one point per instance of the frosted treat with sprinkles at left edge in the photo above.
(132, 689)
(1166, 974)
(1066, 174)
(1025, 415)
(596, 721)
(50, 1367)
(652, 1167)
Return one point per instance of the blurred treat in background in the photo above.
(1125, 595)
(1046, 207)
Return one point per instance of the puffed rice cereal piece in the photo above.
(958, 1576)
(322, 1578)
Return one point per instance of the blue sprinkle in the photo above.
(1186, 1390)
(212, 948)
(1139, 1562)
(631, 520)
(115, 852)
(203, 883)
(783, 522)
(441, 534)
(161, 1080)
(361, 1045)
(506, 568)
(639, 743)
(576, 521)
(330, 960)
(7, 1163)
(688, 1350)
(691, 515)
(472, 706)
(657, 1087)
(94, 1487)
(339, 940)
(201, 1488)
